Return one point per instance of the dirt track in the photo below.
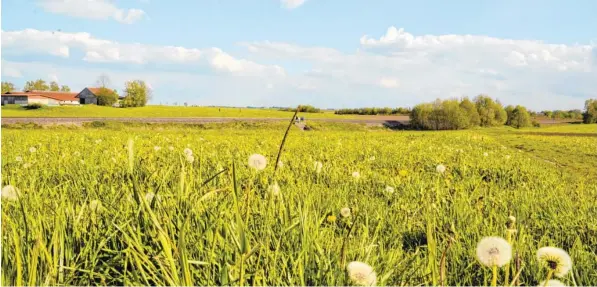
(44, 121)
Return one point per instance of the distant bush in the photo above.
(96, 124)
(33, 106)
(518, 117)
(373, 111)
(590, 114)
(536, 124)
(303, 109)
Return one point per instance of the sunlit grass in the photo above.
(96, 208)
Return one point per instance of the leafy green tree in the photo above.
(509, 109)
(137, 94)
(471, 112)
(491, 112)
(420, 116)
(54, 86)
(106, 97)
(590, 114)
(38, 85)
(64, 88)
(7, 87)
(519, 117)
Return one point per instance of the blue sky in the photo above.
(328, 53)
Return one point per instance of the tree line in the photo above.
(136, 93)
(373, 111)
(303, 109)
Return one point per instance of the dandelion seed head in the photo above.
(257, 161)
(555, 259)
(440, 168)
(171, 148)
(187, 151)
(356, 174)
(157, 148)
(389, 189)
(361, 274)
(19, 159)
(345, 212)
(372, 158)
(9, 192)
(280, 164)
(485, 154)
(26, 165)
(32, 149)
(494, 251)
(190, 158)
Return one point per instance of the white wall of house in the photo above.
(43, 101)
(74, 102)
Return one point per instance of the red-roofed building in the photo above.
(41, 97)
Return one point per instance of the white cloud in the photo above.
(388, 82)
(31, 41)
(292, 4)
(536, 74)
(92, 9)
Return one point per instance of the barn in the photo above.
(40, 97)
(89, 96)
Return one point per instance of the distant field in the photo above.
(155, 111)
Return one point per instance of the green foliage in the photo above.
(303, 109)
(8, 87)
(106, 97)
(518, 117)
(420, 116)
(491, 112)
(33, 106)
(471, 112)
(54, 87)
(590, 114)
(64, 88)
(137, 94)
(373, 111)
(37, 85)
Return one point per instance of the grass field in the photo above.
(94, 209)
(93, 111)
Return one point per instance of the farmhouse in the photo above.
(89, 96)
(40, 97)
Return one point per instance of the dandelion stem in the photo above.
(284, 139)
(495, 274)
(549, 274)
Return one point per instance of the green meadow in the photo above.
(145, 204)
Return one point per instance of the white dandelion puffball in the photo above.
(440, 168)
(149, 197)
(280, 164)
(98, 141)
(555, 259)
(171, 148)
(356, 174)
(257, 161)
(77, 153)
(32, 149)
(372, 158)
(345, 212)
(389, 189)
(187, 151)
(157, 148)
(190, 158)
(361, 274)
(494, 251)
(552, 283)
(95, 205)
(274, 189)
(19, 159)
(512, 219)
(26, 165)
(485, 154)
(9, 192)
(318, 166)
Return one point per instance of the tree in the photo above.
(491, 112)
(38, 85)
(420, 116)
(103, 81)
(7, 87)
(64, 88)
(471, 111)
(106, 97)
(519, 117)
(509, 109)
(590, 114)
(54, 86)
(137, 94)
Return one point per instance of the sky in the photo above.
(326, 53)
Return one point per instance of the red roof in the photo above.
(95, 91)
(60, 96)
